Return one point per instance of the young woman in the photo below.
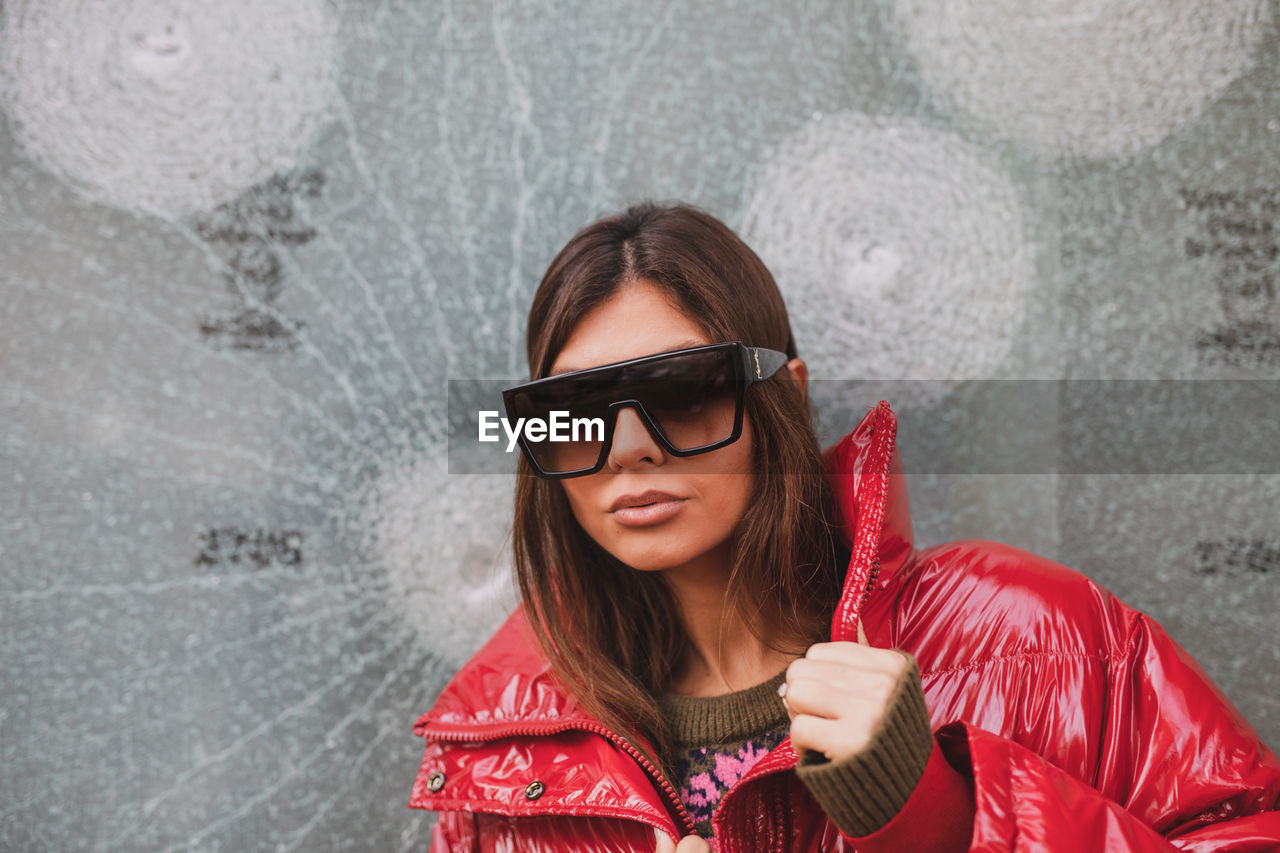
(727, 636)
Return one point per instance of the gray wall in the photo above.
(241, 246)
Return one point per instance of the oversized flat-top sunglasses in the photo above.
(691, 401)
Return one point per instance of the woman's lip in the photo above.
(651, 496)
(643, 516)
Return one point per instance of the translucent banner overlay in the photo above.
(1112, 426)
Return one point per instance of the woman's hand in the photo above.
(688, 844)
(837, 693)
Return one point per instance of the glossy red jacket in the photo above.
(1064, 719)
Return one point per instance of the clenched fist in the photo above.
(837, 693)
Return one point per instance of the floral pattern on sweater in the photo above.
(706, 772)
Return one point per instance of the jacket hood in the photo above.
(509, 682)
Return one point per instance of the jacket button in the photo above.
(435, 781)
(534, 790)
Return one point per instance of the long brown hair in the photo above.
(617, 644)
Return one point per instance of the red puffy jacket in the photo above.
(1064, 719)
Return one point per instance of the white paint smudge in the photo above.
(899, 249)
(445, 542)
(1097, 79)
(167, 108)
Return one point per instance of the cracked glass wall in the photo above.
(243, 244)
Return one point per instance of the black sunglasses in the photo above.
(691, 401)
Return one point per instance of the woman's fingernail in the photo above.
(782, 689)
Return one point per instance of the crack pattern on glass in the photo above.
(446, 546)
(1101, 78)
(101, 94)
(899, 247)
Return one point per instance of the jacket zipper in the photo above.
(872, 576)
(673, 798)
(882, 454)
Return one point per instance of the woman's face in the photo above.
(707, 493)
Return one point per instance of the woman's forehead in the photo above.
(641, 319)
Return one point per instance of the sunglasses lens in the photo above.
(584, 402)
(691, 399)
(695, 406)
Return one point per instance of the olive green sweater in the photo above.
(721, 737)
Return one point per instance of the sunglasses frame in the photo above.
(752, 365)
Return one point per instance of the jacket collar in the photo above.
(508, 683)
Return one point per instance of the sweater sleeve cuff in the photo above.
(865, 791)
(938, 816)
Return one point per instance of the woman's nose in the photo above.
(632, 442)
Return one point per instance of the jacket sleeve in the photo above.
(1179, 769)
(455, 832)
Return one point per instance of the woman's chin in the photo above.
(674, 563)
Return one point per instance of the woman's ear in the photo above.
(800, 373)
